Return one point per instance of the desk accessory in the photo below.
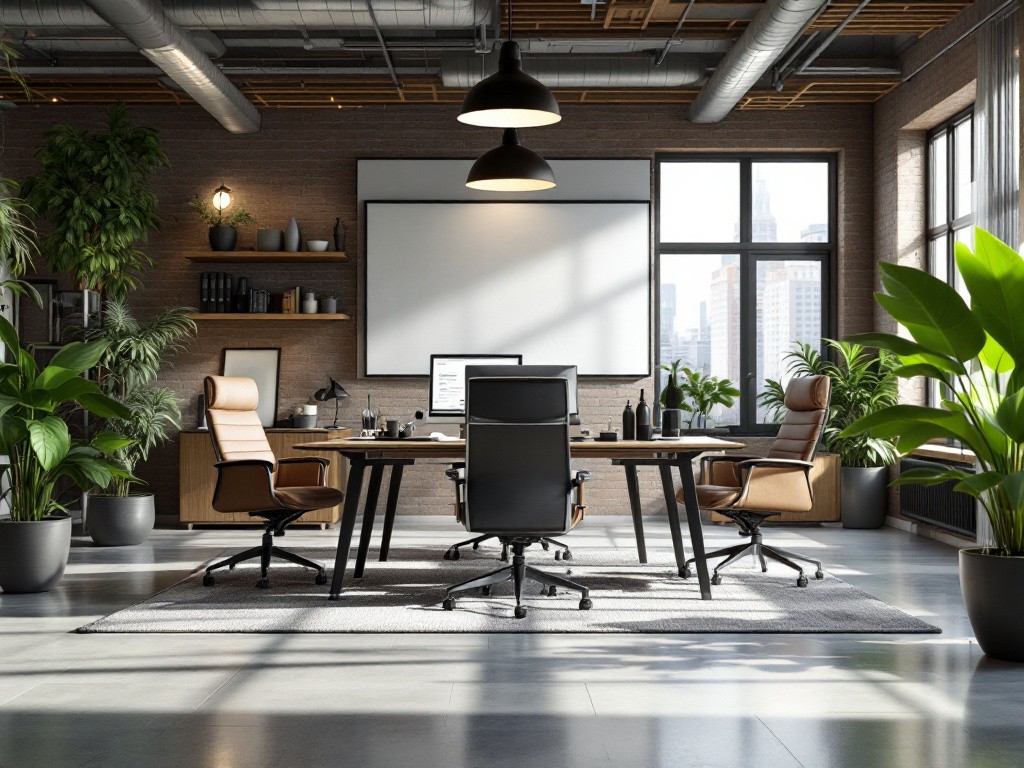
(628, 423)
(644, 430)
(269, 239)
(607, 437)
(317, 246)
(328, 305)
(309, 304)
(369, 417)
(334, 391)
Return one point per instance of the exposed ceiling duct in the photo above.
(264, 14)
(207, 42)
(582, 71)
(762, 42)
(172, 49)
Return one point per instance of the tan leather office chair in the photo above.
(750, 489)
(251, 479)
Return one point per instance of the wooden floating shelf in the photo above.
(265, 316)
(267, 257)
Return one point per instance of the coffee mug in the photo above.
(391, 427)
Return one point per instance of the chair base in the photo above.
(518, 572)
(562, 553)
(757, 548)
(266, 552)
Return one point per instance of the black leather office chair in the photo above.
(517, 484)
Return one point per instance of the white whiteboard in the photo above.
(559, 283)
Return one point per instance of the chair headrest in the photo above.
(808, 393)
(231, 393)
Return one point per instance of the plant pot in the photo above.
(671, 419)
(120, 521)
(863, 496)
(993, 590)
(223, 238)
(328, 306)
(33, 555)
(269, 239)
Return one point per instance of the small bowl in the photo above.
(316, 245)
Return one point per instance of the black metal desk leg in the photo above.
(633, 486)
(673, 516)
(369, 512)
(348, 523)
(693, 521)
(390, 509)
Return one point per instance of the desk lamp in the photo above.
(334, 392)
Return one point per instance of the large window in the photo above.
(950, 194)
(745, 250)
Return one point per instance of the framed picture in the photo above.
(35, 324)
(263, 365)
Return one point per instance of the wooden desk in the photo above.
(631, 454)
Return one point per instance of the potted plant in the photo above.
(701, 393)
(223, 227)
(671, 401)
(976, 354)
(862, 383)
(94, 189)
(129, 365)
(40, 451)
(17, 245)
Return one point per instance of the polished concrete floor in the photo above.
(235, 701)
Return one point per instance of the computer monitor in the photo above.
(448, 382)
(567, 372)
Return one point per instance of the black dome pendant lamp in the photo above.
(511, 168)
(509, 98)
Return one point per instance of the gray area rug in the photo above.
(404, 595)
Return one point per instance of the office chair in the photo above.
(750, 489)
(517, 484)
(250, 479)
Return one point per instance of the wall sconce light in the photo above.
(221, 198)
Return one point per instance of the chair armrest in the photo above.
(582, 476)
(719, 469)
(246, 485)
(784, 463)
(456, 474)
(301, 470)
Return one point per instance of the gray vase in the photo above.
(328, 306)
(120, 521)
(863, 496)
(292, 236)
(993, 590)
(269, 239)
(33, 555)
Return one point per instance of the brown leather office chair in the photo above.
(750, 489)
(251, 479)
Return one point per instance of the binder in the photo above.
(204, 292)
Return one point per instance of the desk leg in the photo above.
(673, 516)
(369, 513)
(389, 512)
(633, 486)
(348, 523)
(693, 521)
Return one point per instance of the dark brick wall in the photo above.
(303, 163)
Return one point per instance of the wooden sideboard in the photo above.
(824, 483)
(197, 475)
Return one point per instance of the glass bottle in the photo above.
(644, 430)
(628, 423)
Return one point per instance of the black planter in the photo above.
(863, 496)
(671, 419)
(223, 238)
(121, 521)
(993, 590)
(33, 555)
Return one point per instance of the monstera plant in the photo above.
(975, 350)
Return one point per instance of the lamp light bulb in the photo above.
(221, 198)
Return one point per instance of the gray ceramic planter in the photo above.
(33, 555)
(993, 590)
(863, 496)
(120, 521)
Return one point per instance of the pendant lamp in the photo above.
(511, 168)
(509, 98)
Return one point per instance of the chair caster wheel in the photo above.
(686, 572)
(558, 555)
(455, 555)
(567, 555)
(476, 545)
(801, 581)
(448, 604)
(586, 604)
(231, 567)
(504, 556)
(451, 554)
(551, 591)
(485, 591)
(545, 546)
(321, 578)
(263, 583)
(520, 612)
(819, 574)
(716, 579)
(764, 570)
(208, 580)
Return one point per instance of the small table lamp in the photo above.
(334, 392)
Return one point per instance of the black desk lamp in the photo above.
(334, 392)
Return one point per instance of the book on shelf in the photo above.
(204, 292)
(218, 295)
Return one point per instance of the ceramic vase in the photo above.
(291, 236)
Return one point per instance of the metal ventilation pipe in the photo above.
(589, 71)
(264, 14)
(762, 42)
(172, 49)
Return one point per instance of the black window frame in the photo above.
(750, 254)
(952, 224)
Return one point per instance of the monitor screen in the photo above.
(448, 380)
(567, 372)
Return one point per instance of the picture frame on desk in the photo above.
(263, 365)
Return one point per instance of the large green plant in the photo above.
(976, 353)
(702, 392)
(17, 242)
(128, 367)
(862, 383)
(34, 434)
(94, 189)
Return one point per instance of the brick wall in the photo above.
(303, 163)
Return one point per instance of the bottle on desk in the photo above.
(628, 423)
(644, 430)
